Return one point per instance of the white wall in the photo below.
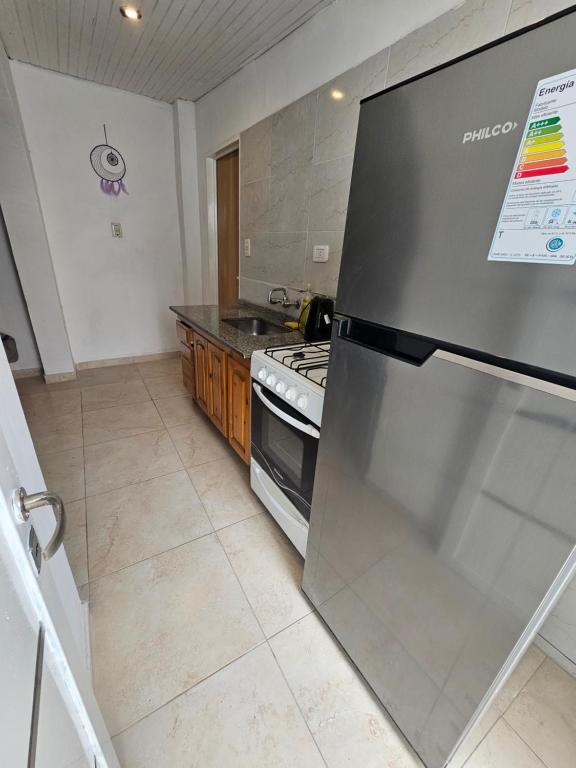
(13, 311)
(115, 293)
(27, 233)
(334, 40)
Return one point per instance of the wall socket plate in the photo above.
(247, 247)
(320, 253)
(116, 229)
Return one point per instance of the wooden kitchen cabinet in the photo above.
(216, 395)
(239, 407)
(201, 371)
(221, 386)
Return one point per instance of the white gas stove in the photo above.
(287, 400)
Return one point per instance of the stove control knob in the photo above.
(291, 394)
(302, 402)
(262, 373)
(271, 380)
(281, 387)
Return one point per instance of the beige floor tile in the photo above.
(162, 625)
(110, 374)
(242, 717)
(120, 421)
(166, 386)
(51, 404)
(224, 487)
(56, 433)
(525, 668)
(503, 748)
(75, 541)
(64, 473)
(199, 442)
(109, 395)
(178, 410)
(544, 715)
(139, 521)
(33, 385)
(167, 367)
(349, 725)
(269, 569)
(130, 460)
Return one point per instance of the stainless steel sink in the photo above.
(256, 326)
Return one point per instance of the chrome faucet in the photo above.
(284, 301)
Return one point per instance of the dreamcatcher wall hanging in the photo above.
(109, 165)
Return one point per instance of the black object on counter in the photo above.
(319, 320)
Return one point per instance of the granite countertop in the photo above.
(209, 317)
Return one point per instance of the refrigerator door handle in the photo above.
(401, 345)
(507, 375)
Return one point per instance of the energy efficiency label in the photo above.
(538, 217)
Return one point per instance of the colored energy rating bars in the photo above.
(543, 152)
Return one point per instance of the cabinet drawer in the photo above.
(182, 332)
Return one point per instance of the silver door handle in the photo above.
(27, 502)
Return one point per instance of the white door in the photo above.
(49, 602)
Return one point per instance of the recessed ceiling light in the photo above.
(337, 94)
(129, 12)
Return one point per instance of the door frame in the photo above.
(212, 210)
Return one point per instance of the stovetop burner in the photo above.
(309, 360)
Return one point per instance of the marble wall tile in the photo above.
(279, 258)
(289, 199)
(255, 206)
(293, 135)
(376, 73)
(323, 276)
(256, 292)
(458, 31)
(337, 118)
(256, 151)
(329, 192)
(525, 12)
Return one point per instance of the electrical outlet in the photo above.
(320, 253)
(116, 229)
(247, 248)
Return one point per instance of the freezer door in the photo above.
(424, 206)
(442, 516)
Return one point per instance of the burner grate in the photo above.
(309, 360)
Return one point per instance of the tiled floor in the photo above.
(205, 652)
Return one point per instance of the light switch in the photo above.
(320, 253)
(116, 229)
(247, 247)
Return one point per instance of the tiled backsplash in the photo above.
(295, 169)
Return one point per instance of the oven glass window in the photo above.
(285, 447)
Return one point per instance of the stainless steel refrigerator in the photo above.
(443, 521)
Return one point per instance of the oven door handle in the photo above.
(307, 428)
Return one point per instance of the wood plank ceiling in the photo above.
(180, 49)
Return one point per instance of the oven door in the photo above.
(285, 445)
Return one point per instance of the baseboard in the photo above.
(56, 378)
(125, 360)
(550, 650)
(26, 373)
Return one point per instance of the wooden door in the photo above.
(239, 407)
(217, 387)
(201, 371)
(227, 202)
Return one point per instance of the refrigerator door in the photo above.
(424, 207)
(442, 530)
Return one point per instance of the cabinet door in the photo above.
(187, 360)
(217, 387)
(239, 408)
(201, 371)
